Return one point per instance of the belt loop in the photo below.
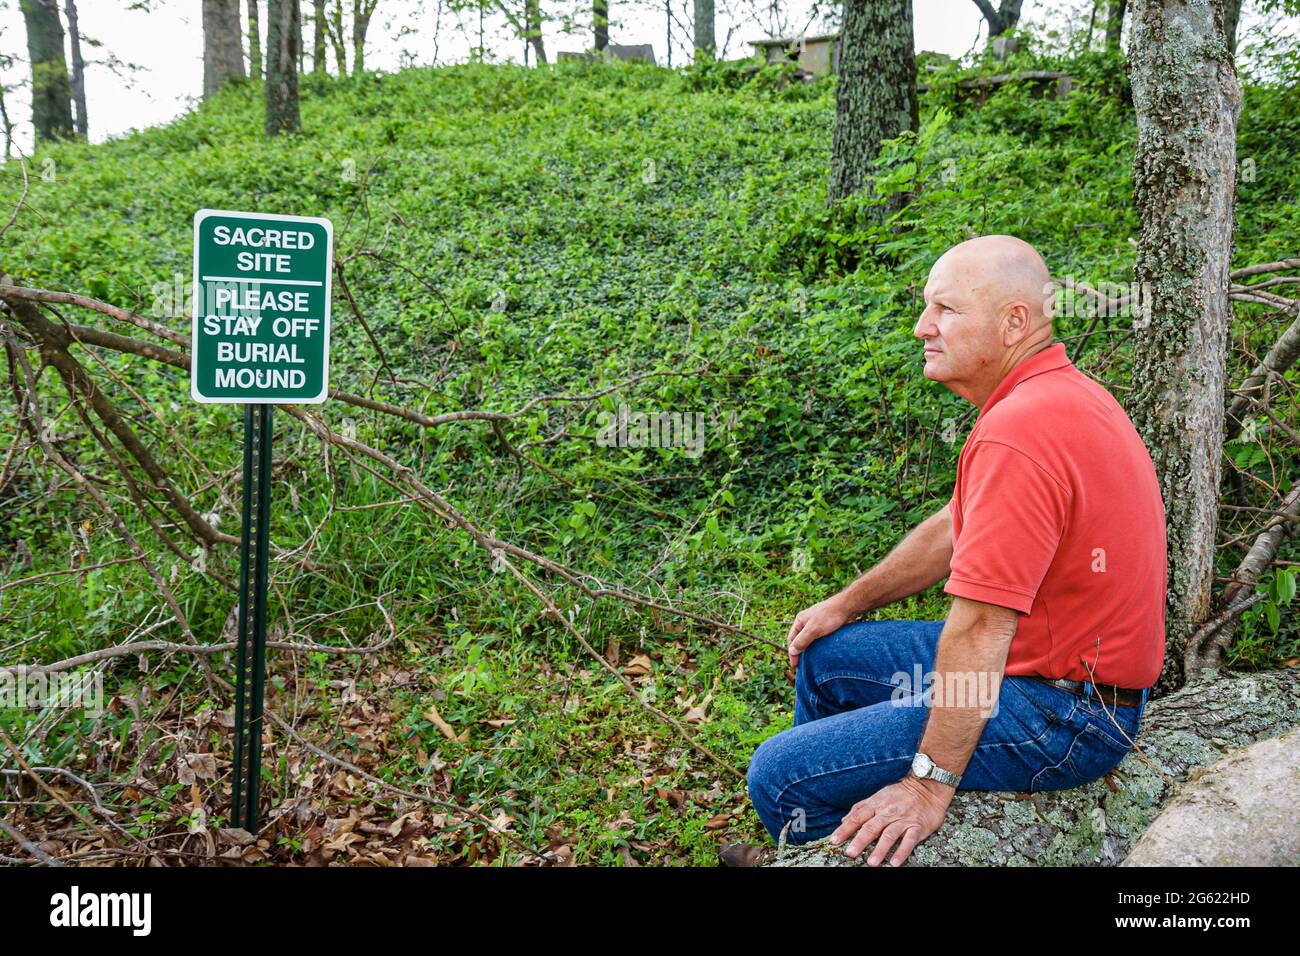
(1087, 688)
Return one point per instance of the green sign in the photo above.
(261, 331)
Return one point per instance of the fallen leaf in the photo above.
(638, 665)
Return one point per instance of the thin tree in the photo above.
(51, 88)
(600, 23)
(362, 11)
(254, 41)
(668, 38)
(1187, 101)
(705, 40)
(80, 122)
(1232, 17)
(223, 48)
(334, 30)
(876, 96)
(1115, 23)
(318, 36)
(533, 28)
(283, 34)
(6, 123)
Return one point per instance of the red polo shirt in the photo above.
(1057, 514)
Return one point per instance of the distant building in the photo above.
(813, 56)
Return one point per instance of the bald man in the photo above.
(1053, 547)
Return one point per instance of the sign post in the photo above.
(260, 337)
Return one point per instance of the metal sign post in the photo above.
(260, 336)
(250, 674)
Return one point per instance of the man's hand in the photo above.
(904, 813)
(812, 623)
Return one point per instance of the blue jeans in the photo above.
(859, 716)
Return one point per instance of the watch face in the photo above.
(921, 765)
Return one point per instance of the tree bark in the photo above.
(533, 26)
(7, 124)
(1115, 23)
(600, 22)
(1231, 17)
(705, 38)
(1000, 19)
(1186, 98)
(334, 30)
(79, 122)
(282, 39)
(223, 48)
(51, 88)
(1098, 824)
(876, 96)
(362, 10)
(318, 36)
(254, 41)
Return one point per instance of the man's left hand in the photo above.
(904, 813)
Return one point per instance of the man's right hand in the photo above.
(814, 622)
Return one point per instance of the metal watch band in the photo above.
(927, 769)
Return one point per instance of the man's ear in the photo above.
(1016, 323)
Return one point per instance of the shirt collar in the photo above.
(1049, 359)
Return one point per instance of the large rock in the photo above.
(1243, 810)
(1099, 823)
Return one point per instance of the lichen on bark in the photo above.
(1187, 101)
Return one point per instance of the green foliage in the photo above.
(509, 233)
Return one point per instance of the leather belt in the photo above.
(1108, 694)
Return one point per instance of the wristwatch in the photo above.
(924, 769)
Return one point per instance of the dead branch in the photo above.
(38, 433)
(1275, 364)
(54, 343)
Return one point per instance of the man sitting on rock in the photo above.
(1053, 545)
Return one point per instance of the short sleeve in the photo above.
(1013, 516)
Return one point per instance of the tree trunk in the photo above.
(79, 120)
(1000, 19)
(1095, 825)
(1231, 17)
(254, 42)
(7, 124)
(282, 38)
(533, 27)
(600, 22)
(1186, 98)
(876, 96)
(223, 50)
(1115, 23)
(334, 26)
(51, 89)
(318, 36)
(705, 39)
(361, 13)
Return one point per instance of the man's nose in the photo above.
(925, 328)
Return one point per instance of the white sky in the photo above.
(166, 43)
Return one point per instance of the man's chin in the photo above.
(933, 371)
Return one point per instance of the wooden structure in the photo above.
(814, 56)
